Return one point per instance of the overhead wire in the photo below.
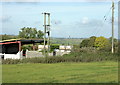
(103, 21)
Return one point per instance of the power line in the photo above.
(106, 15)
(103, 20)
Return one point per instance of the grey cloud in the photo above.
(90, 23)
(19, 0)
(57, 0)
(56, 22)
(116, 21)
(21, 3)
(37, 22)
(23, 21)
(100, 0)
(5, 19)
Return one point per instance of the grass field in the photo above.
(95, 72)
(65, 41)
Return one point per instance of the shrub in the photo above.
(11, 61)
(54, 46)
(33, 60)
(72, 57)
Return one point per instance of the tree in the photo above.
(91, 41)
(115, 41)
(88, 42)
(101, 43)
(28, 33)
(5, 37)
(84, 43)
(40, 34)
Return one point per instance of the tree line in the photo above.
(25, 33)
(100, 43)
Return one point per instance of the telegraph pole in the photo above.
(46, 30)
(44, 34)
(112, 27)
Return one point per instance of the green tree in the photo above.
(92, 41)
(84, 43)
(101, 43)
(33, 33)
(5, 37)
(54, 46)
(40, 34)
(115, 41)
(88, 42)
(28, 33)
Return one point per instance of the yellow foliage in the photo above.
(101, 42)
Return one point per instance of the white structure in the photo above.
(62, 47)
(41, 47)
(12, 49)
(12, 56)
(31, 54)
(63, 50)
(68, 47)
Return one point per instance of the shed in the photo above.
(12, 48)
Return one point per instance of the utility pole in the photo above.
(46, 30)
(112, 27)
(44, 34)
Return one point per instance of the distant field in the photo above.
(72, 41)
(95, 72)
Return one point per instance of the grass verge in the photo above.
(93, 72)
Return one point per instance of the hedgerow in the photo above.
(72, 57)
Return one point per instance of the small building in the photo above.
(11, 49)
(41, 47)
(63, 49)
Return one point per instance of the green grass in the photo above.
(94, 72)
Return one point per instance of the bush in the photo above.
(11, 61)
(72, 57)
(33, 60)
(85, 50)
(29, 47)
(54, 46)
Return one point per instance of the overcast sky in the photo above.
(76, 19)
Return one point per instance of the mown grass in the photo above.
(93, 72)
